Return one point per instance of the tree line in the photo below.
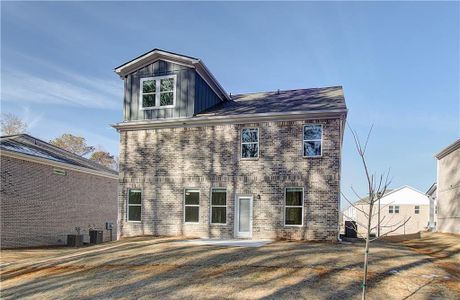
(11, 124)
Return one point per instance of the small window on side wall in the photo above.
(293, 209)
(396, 209)
(417, 209)
(191, 205)
(249, 143)
(218, 206)
(158, 92)
(134, 209)
(390, 209)
(312, 140)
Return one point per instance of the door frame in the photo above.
(237, 234)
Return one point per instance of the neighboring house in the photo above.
(448, 189)
(46, 192)
(396, 206)
(195, 161)
(431, 193)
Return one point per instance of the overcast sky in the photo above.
(397, 62)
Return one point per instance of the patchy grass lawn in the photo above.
(166, 268)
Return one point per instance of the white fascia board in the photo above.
(236, 119)
(57, 164)
(152, 57)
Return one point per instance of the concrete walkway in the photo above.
(226, 243)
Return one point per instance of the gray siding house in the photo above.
(448, 189)
(46, 192)
(198, 162)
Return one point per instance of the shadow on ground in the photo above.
(164, 268)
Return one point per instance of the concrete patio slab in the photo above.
(227, 243)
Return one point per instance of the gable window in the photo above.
(134, 209)
(158, 92)
(312, 140)
(293, 208)
(218, 206)
(191, 205)
(396, 209)
(390, 209)
(250, 143)
(417, 209)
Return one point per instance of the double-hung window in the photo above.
(249, 143)
(134, 207)
(390, 209)
(396, 209)
(191, 205)
(293, 208)
(218, 206)
(312, 140)
(158, 92)
(417, 209)
(393, 209)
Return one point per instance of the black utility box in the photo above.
(75, 240)
(350, 229)
(95, 236)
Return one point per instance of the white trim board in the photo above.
(230, 119)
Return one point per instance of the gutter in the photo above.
(230, 119)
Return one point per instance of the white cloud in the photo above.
(72, 90)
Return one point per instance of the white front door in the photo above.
(243, 219)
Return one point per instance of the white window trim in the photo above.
(293, 206)
(241, 144)
(417, 209)
(391, 209)
(128, 205)
(211, 206)
(157, 93)
(192, 205)
(303, 140)
(394, 208)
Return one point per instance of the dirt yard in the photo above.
(146, 268)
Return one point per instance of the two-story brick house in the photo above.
(196, 161)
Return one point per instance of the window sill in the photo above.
(316, 156)
(218, 224)
(134, 221)
(249, 159)
(157, 107)
(293, 225)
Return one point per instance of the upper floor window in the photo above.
(134, 207)
(417, 210)
(158, 92)
(393, 209)
(312, 140)
(250, 143)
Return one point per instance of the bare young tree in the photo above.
(12, 124)
(377, 186)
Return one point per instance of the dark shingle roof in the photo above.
(315, 99)
(28, 145)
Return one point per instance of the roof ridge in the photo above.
(289, 90)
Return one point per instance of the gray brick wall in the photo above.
(162, 162)
(39, 208)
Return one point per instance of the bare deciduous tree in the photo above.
(72, 143)
(377, 186)
(12, 124)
